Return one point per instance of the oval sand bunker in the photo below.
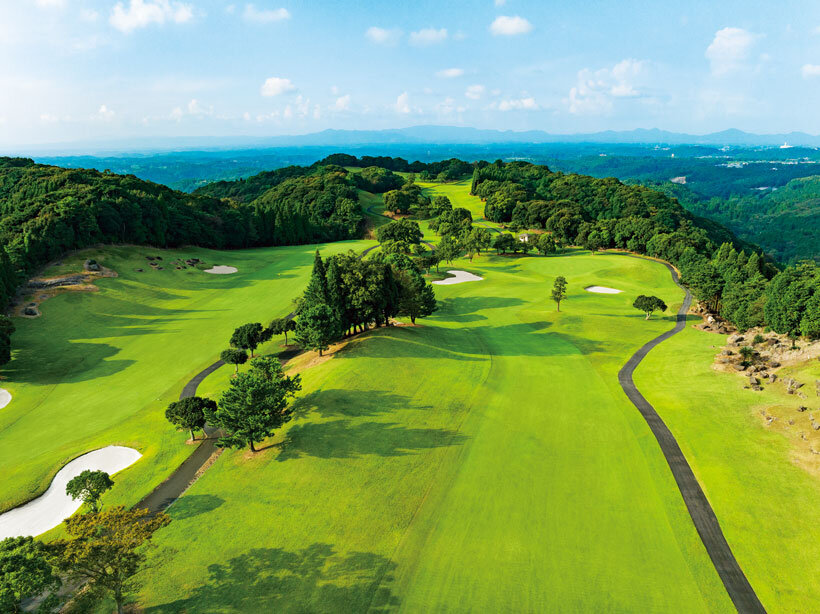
(458, 277)
(222, 270)
(602, 290)
(53, 506)
(5, 397)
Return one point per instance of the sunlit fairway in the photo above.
(486, 460)
(98, 368)
(765, 501)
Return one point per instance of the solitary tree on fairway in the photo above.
(103, 548)
(255, 404)
(89, 486)
(249, 336)
(559, 291)
(189, 413)
(649, 304)
(25, 571)
(234, 357)
(317, 327)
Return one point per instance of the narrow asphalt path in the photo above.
(740, 591)
(192, 467)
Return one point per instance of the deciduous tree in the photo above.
(89, 486)
(189, 413)
(559, 291)
(26, 571)
(649, 304)
(234, 357)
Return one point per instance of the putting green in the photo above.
(98, 368)
(484, 461)
(765, 501)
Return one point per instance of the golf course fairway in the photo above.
(98, 368)
(486, 460)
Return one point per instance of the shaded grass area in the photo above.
(485, 461)
(98, 368)
(765, 502)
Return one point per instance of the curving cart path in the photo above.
(740, 591)
(186, 474)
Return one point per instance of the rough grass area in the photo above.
(758, 475)
(98, 368)
(484, 461)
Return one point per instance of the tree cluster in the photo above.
(347, 294)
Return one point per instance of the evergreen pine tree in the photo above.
(316, 291)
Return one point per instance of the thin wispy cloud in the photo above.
(263, 16)
(141, 13)
(474, 92)
(450, 73)
(383, 36)
(428, 36)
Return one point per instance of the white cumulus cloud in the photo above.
(104, 113)
(510, 26)
(730, 49)
(596, 90)
(475, 92)
(450, 73)
(518, 104)
(342, 103)
(251, 13)
(403, 103)
(142, 13)
(274, 86)
(500, 2)
(428, 36)
(383, 36)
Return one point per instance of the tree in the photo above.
(649, 304)
(593, 242)
(400, 230)
(559, 291)
(234, 357)
(6, 329)
(316, 290)
(89, 486)
(747, 353)
(255, 404)
(25, 571)
(282, 326)
(249, 336)
(449, 248)
(103, 548)
(504, 242)
(545, 244)
(476, 240)
(189, 413)
(317, 327)
(416, 296)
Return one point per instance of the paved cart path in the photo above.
(740, 591)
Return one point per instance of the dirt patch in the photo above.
(42, 288)
(799, 424)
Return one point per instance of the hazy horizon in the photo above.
(92, 70)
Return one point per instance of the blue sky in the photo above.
(105, 69)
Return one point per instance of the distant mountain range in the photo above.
(430, 135)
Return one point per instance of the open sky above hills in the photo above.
(94, 69)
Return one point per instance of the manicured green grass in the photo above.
(459, 194)
(766, 503)
(98, 368)
(484, 461)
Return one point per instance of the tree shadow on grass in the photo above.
(313, 579)
(74, 362)
(351, 403)
(344, 439)
(189, 506)
(463, 308)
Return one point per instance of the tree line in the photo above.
(732, 277)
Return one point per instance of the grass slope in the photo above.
(485, 461)
(766, 503)
(98, 368)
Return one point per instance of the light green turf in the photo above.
(767, 505)
(98, 368)
(459, 194)
(485, 461)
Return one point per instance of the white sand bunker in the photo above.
(5, 397)
(602, 290)
(53, 506)
(458, 277)
(221, 269)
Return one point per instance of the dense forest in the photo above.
(48, 210)
(730, 276)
